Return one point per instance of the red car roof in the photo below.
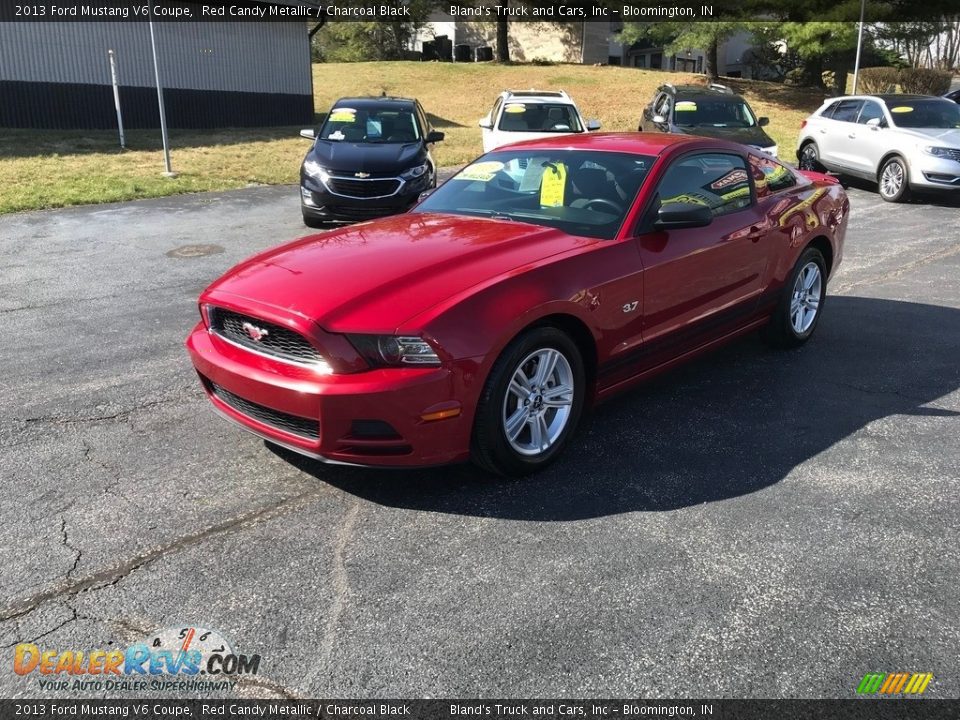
(636, 143)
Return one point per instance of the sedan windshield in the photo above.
(584, 193)
(713, 113)
(361, 125)
(933, 113)
(539, 117)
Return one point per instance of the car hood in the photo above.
(950, 136)
(745, 136)
(366, 157)
(372, 277)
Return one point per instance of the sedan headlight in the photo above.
(394, 351)
(313, 169)
(415, 172)
(942, 152)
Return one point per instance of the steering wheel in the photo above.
(603, 202)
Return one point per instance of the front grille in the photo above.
(363, 188)
(294, 424)
(366, 212)
(276, 340)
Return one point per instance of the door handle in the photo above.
(756, 232)
(822, 131)
(852, 136)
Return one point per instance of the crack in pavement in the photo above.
(340, 582)
(65, 541)
(104, 578)
(119, 415)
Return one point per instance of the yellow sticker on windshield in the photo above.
(901, 109)
(482, 171)
(685, 106)
(343, 115)
(553, 185)
(515, 108)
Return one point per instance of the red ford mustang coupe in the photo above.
(541, 279)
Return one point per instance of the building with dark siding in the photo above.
(214, 74)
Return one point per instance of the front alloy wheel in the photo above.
(893, 183)
(810, 158)
(805, 301)
(530, 404)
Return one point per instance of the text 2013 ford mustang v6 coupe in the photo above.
(542, 278)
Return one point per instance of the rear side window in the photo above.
(769, 175)
(717, 180)
(847, 110)
(828, 113)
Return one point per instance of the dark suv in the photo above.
(713, 111)
(370, 158)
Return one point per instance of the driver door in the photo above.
(700, 283)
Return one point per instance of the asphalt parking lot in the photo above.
(756, 524)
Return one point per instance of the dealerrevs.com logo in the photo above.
(189, 658)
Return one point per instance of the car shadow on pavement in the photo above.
(732, 423)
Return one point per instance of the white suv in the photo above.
(897, 141)
(531, 114)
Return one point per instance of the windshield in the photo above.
(370, 125)
(713, 113)
(539, 117)
(934, 113)
(584, 193)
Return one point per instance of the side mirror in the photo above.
(874, 123)
(308, 133)
(763, 122)
(674, 216)
(658, 119)
(424, 195)
(593, 125)
(485, 123)
(434, 137)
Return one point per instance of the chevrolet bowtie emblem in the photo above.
(361, 175)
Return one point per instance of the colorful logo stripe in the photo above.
(894, 683)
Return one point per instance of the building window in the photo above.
(613, 60)
(699, 63)
(656, 61)
(640, 61)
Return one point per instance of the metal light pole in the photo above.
(116, 97)
(163, 115)
(856, 64)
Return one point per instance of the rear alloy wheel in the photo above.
(810, 158)
(798, 311)
(531, 403)
(894, 184)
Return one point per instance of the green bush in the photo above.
(874, 80)
(924, 81)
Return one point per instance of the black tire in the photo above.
(781, 332)
(312, 222)
(491, 449)
(892, 191)
(809, 158)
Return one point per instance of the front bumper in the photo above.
(370, 418)
(318, 202)
(934, 173)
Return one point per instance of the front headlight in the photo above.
(394, 351)
(415, 172)
(313, 169)
(942, 152)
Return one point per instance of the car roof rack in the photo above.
(721, 88)
(537, 93)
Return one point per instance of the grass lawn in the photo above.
(43, 169)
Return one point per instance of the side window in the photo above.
(770, 176)
(847, 110)
(495, 112)
(828, 113)
(870, 111)
(717, 180)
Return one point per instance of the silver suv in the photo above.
(901, 142)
